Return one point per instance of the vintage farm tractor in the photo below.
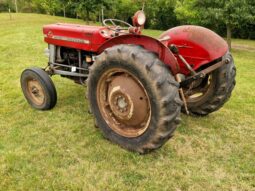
(136, 85)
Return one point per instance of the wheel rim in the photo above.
(201, 90)
(123, 103)
(35, 92)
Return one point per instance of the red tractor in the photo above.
(137, 85)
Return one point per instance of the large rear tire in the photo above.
(214, 91)
(134, 98)
(38, 89)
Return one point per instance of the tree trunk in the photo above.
(64, 9)
(102, 14)
(87, 17)
(10, 14)
(229, 34)
(16, 6)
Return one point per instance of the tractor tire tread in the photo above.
(162, 84)
(225, 85)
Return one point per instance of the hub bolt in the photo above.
(34, 90)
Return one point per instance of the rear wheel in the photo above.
(134, 98)
(38, 88)
(212, 92)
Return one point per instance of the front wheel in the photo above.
(38, 89)
(207, 95)
(134, 98)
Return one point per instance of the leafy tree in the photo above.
(86, 7)
(125, 9)
(65, 4)
(232, 13)
(3, 6)
(50, 6)
(165, 17)
(185, 12)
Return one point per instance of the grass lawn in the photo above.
(61, 150)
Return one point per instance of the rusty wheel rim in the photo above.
(35, 92)
(196, 94)
(123, 103)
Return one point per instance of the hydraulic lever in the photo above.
(175, 50)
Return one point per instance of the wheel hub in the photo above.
(125, 104)
(121, 103)
(35, 91)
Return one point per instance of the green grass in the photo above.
(61, 150)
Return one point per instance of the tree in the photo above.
(185, 12)
(4, 6)
(232, 13)
(65, 4)
(165, 17)
(86, 7)
(50, 6)
(16, 6)
(125, 9)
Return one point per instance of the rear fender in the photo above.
(198, 45)
(149, 43)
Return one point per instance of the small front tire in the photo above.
(38, 89)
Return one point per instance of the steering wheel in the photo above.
(116, 27)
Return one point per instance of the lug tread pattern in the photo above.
(161, 82)
(225, 84)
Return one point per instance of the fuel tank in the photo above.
(198, 45)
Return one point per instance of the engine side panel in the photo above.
(96, 39)
(81, 37)
(196, 44)
(149, 43)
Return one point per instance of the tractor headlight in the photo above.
(139, 19)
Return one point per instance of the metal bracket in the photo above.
(203, 73)
(65, 73)
(175, 50)
(178, 79)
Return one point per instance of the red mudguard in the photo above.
(149, 43)
(198, 45)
